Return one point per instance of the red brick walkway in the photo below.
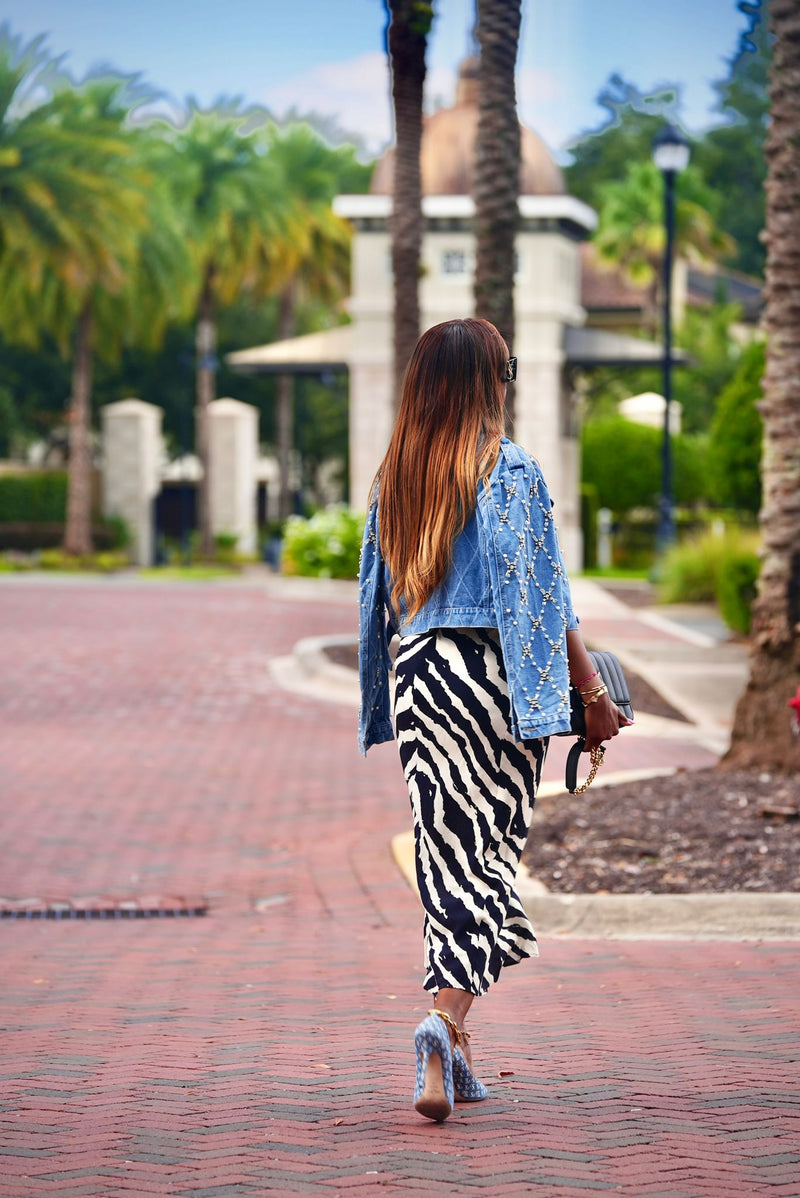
(265, 1047)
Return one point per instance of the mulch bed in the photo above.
(696, 830)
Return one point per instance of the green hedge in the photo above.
(33, 498)
(622, 461)
(590, 506)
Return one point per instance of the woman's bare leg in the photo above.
(456, 1003)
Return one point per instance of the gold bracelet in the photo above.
(602, 691)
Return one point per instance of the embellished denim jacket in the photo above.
(507, 572)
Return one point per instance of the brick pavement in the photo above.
(265, 1048)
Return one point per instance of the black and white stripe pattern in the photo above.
(472, 790)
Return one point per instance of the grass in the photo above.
(196, 573)
(617, 572)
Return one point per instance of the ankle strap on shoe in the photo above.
(457, 1031)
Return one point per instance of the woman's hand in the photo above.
(603, 720)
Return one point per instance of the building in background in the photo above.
(553, 342)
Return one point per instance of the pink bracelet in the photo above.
(586, 679)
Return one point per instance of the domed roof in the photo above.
(447, 156)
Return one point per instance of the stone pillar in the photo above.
(371, 422)
(132, 470)
(233, 452)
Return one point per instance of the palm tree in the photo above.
(312, 256)
(231, 208)
(406, 37)
(761, 732)
(497, 164)
(74, 202)
(630, 231)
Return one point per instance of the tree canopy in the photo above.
(728, 159)
(125, 222)
(731, 156)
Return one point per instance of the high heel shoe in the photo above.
(433, 1089)
(465, 1084)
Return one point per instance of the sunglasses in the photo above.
(511, 371)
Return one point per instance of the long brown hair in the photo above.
(445, 441)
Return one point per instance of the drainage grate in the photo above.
(102, 908)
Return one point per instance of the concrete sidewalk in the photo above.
(148, 756)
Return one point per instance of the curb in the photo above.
(727, 915)
(308, 671)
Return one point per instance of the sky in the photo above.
(328, 55)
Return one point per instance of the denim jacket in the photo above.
(507, 572)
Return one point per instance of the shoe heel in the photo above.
(433, 1092)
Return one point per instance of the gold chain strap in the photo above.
(596, 757)
(458, 1032)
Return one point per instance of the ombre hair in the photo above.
(445, 443)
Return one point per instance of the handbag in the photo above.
(612, 677)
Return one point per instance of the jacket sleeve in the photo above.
(374, 662)
(531, 592)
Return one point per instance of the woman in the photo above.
(461, 559)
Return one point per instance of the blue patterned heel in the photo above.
(433, 1089)
(466, 1086)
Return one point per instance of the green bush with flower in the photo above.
(325, 546)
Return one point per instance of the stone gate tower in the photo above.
(547, 295)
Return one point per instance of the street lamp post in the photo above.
(671, 155)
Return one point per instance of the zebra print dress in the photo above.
(472, 790)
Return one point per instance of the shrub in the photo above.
(688, 572)
(56, 559)
(690, 456)
(590, 506)
(39, 497)
(635, 535)
(622, 460)
(116, 530)
(9, 422)
(225, 547)
(736, 433)
(714, 568)
(737, 590)
(325, 546)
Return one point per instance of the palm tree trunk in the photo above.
(206, 347)
(78, 530)
(497, 166)
(762, 735)
(407, 38)
(285, 406)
